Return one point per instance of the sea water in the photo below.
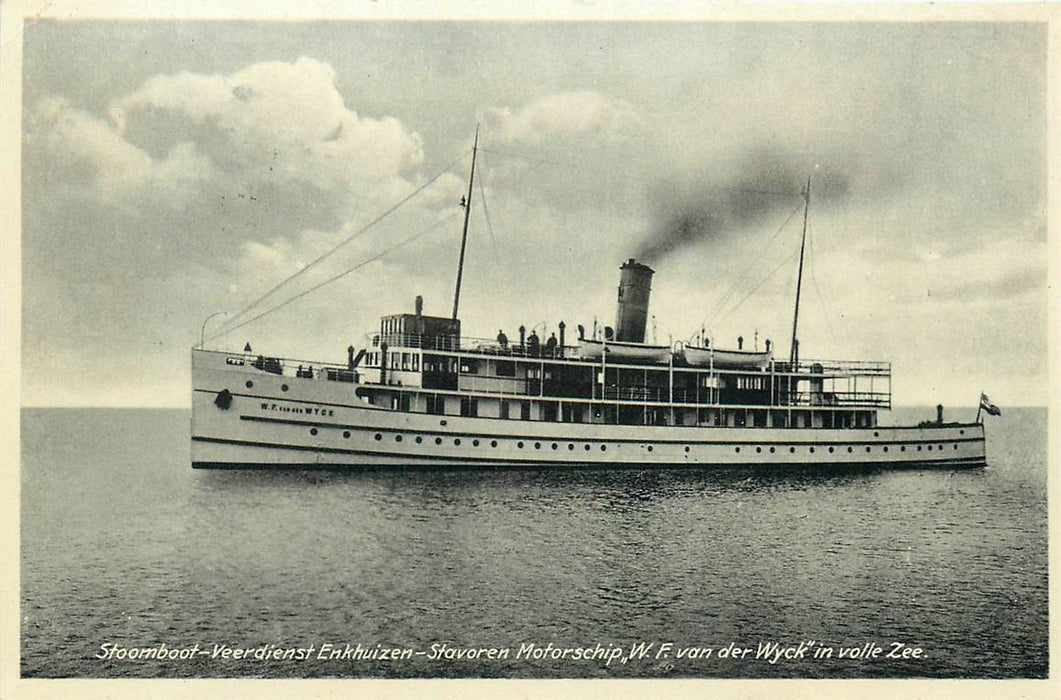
(135, 565)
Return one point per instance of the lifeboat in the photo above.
(726, 359)
(622, 352)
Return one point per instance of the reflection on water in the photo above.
(123, 542)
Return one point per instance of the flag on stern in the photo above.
(985, 404)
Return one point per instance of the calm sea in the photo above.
(124, 544)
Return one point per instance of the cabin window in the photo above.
(759, 418)
(502, 410)
(524, 410)
(416, 362)
(534, 373)
(405, 361)
(741, 418)
(436, 404)
(400, 402)
(470, 366)
(548, 409)
(469, 407)
(506, 369)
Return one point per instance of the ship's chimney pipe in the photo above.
(522, 337)
(631, 314)
(939, 414)
(350, 357)
(419, 305)
(562, 326)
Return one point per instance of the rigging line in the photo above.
(732, 291)
(342, 243)
(344, 273)
(760, 284)
(826, 308)
(489, 226)
(631, 177)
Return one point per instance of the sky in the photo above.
(172, 170)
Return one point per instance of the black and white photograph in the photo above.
(513, 342)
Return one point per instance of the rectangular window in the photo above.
(470, 366)
(524, 410)
(416, 362)
(506, 369)
(503, 409)
(436, 404)
(469, 407)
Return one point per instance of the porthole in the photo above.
(758, 450)
(772, 450)
(587, 446)
(686, 448)
(902, 448)
(493, 443)
(457, 441)
(283, 387)
(867, 448)
(941, 448)
(419, 439)
(397, 438)
(650, 448)
(876, 434)
(792, 450)
(849, 449)
(519, 445)
(603, 448)
(312, 431)
(736, 449)
(830, 450)
(537, 446)
(249, 384)
(438, 441)
(475, 443)
(930, 448)
(378, 437)
(961, 432)
(570, 446)
(955, 445)
(885, 448)
(346, 433)
(919, 448)
(554, 445)
(812, 450)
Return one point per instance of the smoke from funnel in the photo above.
(702, 208)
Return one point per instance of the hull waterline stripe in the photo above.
(495, 460)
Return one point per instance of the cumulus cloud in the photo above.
(288, 116)
(103, 163)
(560, 114)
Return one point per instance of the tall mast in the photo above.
(464, 234)
(794, 352)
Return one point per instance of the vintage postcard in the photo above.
(549, 349)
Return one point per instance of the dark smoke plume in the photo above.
(706, 207)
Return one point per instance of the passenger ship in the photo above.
(420, 393)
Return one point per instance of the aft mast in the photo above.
(464, 233)
(793, 357)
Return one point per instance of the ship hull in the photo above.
(272, 421)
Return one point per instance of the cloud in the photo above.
(94, 157)
(289, 117)
(562, 114)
